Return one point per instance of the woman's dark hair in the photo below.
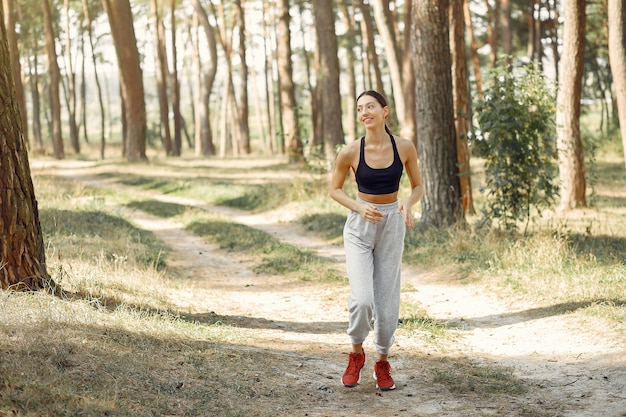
(379, 98)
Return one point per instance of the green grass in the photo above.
(117, 343)
(466, 377)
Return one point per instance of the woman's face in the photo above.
(370, 112)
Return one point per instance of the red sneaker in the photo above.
(384, 381)
(352, 375)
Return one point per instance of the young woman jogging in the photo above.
(374, 232)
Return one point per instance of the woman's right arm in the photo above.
(343, 164)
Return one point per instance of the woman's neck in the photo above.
(376, 135)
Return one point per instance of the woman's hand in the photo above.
(371, 213)
(408, 216)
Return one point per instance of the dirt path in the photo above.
(570, 368)
(571, 372)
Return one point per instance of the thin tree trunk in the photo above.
(328, 78)
(460, 82)
(474, 47)
(386, 31)
(408, 76)
(54, 74)
(617, 55)
(569, 143)
(271, 143)
(287, 90)
(35, 100)
(162, 75)
(507, 33)
(175, 86)
(370, 45)
(243, 105)
(208, 148)
(97, 78)
(131, 78)
(349, 23)
(491, 19)
(71, 82)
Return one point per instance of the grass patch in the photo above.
(329, 225)
(69, 358)
(276, 257)
(158, 208)
(466, 377)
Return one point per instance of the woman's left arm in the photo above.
(409, 156)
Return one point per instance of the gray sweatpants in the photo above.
(373, 262)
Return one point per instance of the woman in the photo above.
(374, 233)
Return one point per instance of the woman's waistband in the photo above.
(383, 207)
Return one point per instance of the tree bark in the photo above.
(328, 77)
(244, 112)
(460, 88)
(175, 85)
(369, 44)
(348, 21)
(131, 80)
(617, 55)
(474, 48)
(53, 83)
(22, 254)
(89, 29)
(386, 31)
(162, 75)
(287, 90)
(569, 144)
(441, 205)
(10, 20)
(71, 82)
(208, 147)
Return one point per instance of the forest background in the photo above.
(190, 255)
(280, 77)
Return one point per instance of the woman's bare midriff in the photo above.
(379, 198)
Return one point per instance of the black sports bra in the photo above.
(379, 180)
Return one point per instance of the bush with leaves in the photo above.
(517, 141)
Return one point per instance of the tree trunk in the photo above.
(617, 55)
(491, 21)
(569, 144)
(328, 77)
(408, 76)
(243, 105)
(474, 47)
(507, 33)
(55, 78)
(71, 82)
(131, 80)
(287, 89)
(9, 14)
(348, 21)
(441, 205)
(89, 30)
(271, 143)
(208, 148)
(162, 75)
(33, 69)
(370, 46)
(460, 89)
(22, 255)
(386, 31)
(175, 85)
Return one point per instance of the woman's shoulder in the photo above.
(351, 148)
(403, 142)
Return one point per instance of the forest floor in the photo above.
(568, 364)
